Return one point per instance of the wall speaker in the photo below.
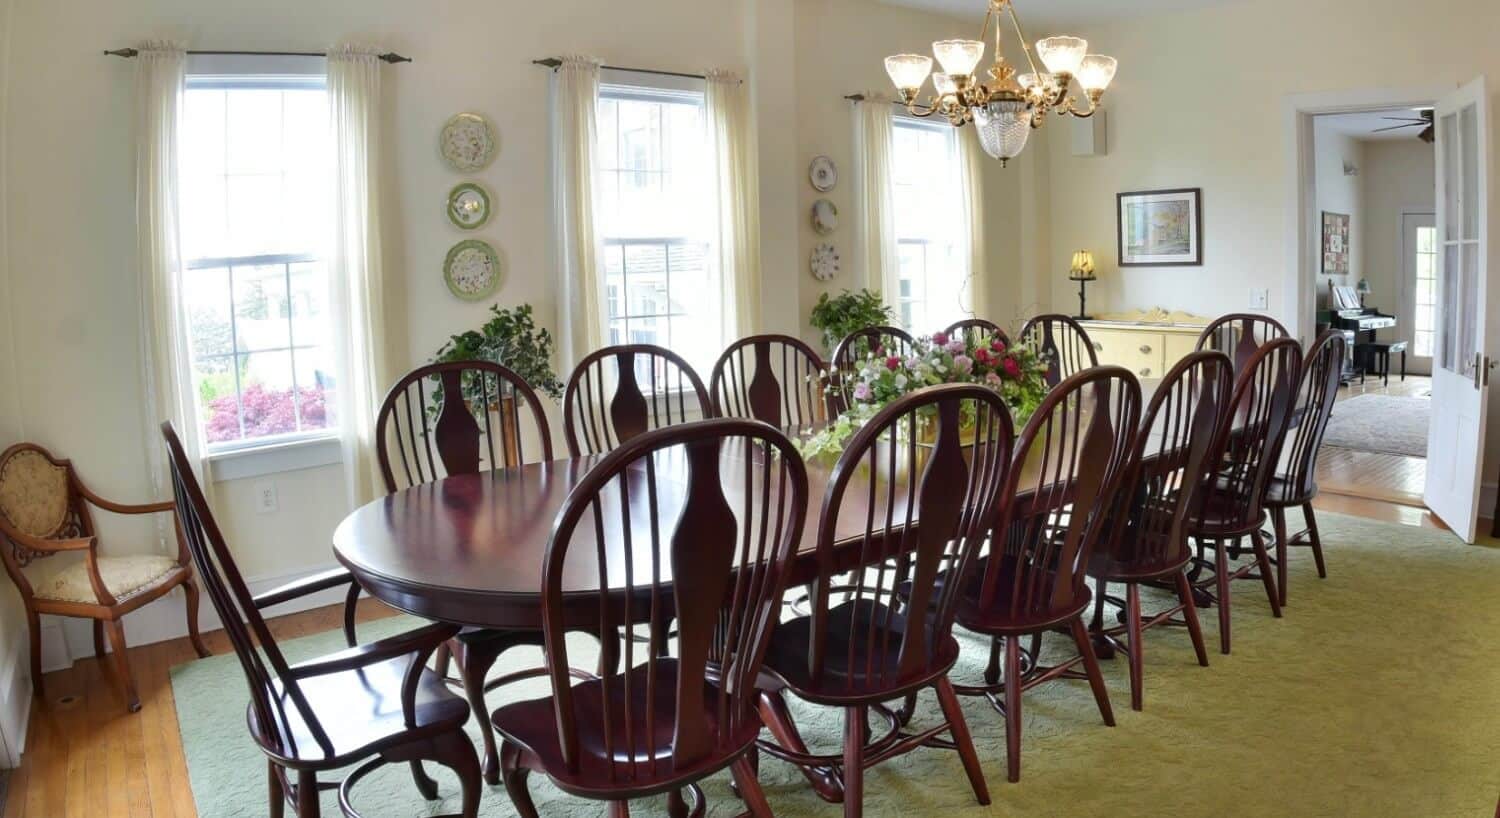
(1090, 136)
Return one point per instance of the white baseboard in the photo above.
(15, 698)
(67, 639)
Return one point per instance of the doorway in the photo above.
(1368, 188)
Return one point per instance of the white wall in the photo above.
(1398, 177)
(1339, 193)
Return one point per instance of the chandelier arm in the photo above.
(1010, 7)
(1072, 109)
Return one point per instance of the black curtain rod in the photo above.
(389, 56)
(862, 98)
(553, 63)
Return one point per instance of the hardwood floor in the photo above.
(1390, 478)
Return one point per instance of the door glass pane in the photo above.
(1449, 290)
(1467, 320)
(1452, 188)
(1469, 134)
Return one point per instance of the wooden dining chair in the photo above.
(422, 435)
(923, 510)
(1064, 342)
(694, 523)
(774, 378)
(370, 705)
(1248, 445)
(45, 511)
(1239, 335)
(1297, 486)
(1069, 461)
(618, 392)
(853, 350)
(977, 330)
(1145, 539)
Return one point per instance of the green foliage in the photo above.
(846, 312)
(510, 338)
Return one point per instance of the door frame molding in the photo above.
(1299, 284)
(1404, 249)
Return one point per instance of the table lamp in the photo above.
(1363, 288)
(1082, 272)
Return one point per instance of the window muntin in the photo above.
(1424, 318)
(655, 220)
(929, 222)
(256, 213)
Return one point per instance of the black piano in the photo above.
(1360, 324)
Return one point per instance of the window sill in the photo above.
(256, 461)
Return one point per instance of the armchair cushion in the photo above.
(123, 576)
(34, 493)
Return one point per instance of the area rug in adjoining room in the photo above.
(1375, 696)
(1381, 423)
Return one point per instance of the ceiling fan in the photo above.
(1423, 121)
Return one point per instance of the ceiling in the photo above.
(1362, 125)
(1051, 13)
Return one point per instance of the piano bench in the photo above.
(1375, 358)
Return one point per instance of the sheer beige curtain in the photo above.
(732, 142)
(971, 175)
(874, 197)
(160, 82)
(356, 273)
(575, 163)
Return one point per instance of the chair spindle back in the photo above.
(773, 378)
(1251, 435)
(619, 392)
(1321, 370)
(1239, 335)
(977, 330)
(1064, 342)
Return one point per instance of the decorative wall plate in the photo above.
(825, 217)
(822, 173)
(468, 142)
(825, 262)
(472, 270)
(468, 206)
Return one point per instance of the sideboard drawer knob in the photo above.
(1098, 347)
(1145, 349)
(1146, 373)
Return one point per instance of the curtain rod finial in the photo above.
(549, 62)
(122, 52)
(393, 57)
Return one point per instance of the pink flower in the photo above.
(956, 346)
(1012, 368)
(893, 363)
(963, 364)
(940, 338)
(878, 352)
(992, 378)
(998, 346)
(982, 355)
(861, 391)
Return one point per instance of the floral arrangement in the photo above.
(1016, 373)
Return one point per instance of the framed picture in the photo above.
(1160, 228)
(1335, 243)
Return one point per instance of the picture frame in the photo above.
(1335, 243)
(1160, 228)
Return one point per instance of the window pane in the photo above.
(929, 220)
(253, 131)
(261, 311)
(316, 384)
(312, 323)
(206, 293)
(266, 394)
(217, 399)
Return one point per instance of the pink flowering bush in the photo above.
(267, 412)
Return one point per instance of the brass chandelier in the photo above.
(1006, 107)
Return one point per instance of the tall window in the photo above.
(929, 217)
(655, 218)
(256, 190)
(1424, 319)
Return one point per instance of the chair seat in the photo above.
(1223, 517)
(124, 577)
(1122, 567)
(604, 766)
(843, 681)
(1000, 619)
(361, 710)
(1282, 491)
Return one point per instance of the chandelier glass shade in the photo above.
(1004, 105)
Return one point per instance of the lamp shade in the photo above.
(958, 57)
(1003, 127)
(1083, 264)
(1062, 55)
(1096, 72)
(1363, 287)
(908, 71)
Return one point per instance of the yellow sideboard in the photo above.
(1146, 342)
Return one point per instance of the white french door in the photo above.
(1460, 372)
(1419, 266)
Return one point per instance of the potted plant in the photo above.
(842, 314)
(509, 338)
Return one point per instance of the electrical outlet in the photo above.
(265, 498)
(1259, 298)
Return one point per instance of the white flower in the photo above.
(900, 381)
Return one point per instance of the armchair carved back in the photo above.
(38, 499)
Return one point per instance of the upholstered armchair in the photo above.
(45, 511)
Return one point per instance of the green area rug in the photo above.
(1377, 695)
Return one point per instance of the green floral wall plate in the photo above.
(472, 270)
(468, 206)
